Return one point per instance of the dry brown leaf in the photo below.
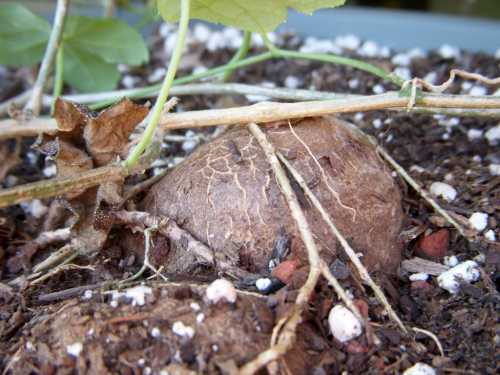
(106, 135)
(8, 160)
(71, 118)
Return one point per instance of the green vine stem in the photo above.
(240, 54)
(58, 76)
(155, 116)
(273, 52)
(335, 59)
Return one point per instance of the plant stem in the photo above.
(240, 54)
(58, 76)
(157, 110)
(335, 59)
(152, 90)
(271, 111)
(280, 93)
(35, 102)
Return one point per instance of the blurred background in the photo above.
(468, 24)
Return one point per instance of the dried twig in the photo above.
(432, 336)
(284, 332)
(269, 111)
(35, 102)
(345, 245)
(414, 184)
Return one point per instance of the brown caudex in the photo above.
(226, 196)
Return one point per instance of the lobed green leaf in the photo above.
(23, 35)
(260, 16)
(114, 41)
(88, 72)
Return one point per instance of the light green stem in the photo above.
(240, 54)
(58, 76)
(335, 59)
(154, 118)
(151, 90)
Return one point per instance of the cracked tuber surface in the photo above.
(226, 196)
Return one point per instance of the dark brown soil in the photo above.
(36, 327)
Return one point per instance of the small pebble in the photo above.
(378, 89)
(443, 190)
(200, 318)
(490, 235)
(263, 284)
(478, 91)
(463, 272)
(221, 289)
(369, 49)
(292, 82)
(466, 86)
(74, 349)
(35, 208)
(419, 276)
(87, 295)
(195, 306)
(403, 73)
(377, 123)
(182, 330)
(155, 332)
(474, 134)
(493, 135)
(494, 169)
(343, 324)
(449, 52)
(420, 368)
(450, 261)
(479, 221)
(201, 33)
(353, 83)
(129, 82)
(348, 41)
(50, 170)
(157, 75)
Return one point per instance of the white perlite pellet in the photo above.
(490, 235)
(465, 272)
(449, 52)
(443, 190)
(494, 169)
(344, 325)
(263, 284)
(420, 368)
(479, 221)
(419, 277)
(74, 349)
(182, 330)
(474, 134)
(221, 289)
(493, 135)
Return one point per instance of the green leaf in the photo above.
(310, 6)
(23, 35)
(112, 40)
(87, 72)
(252, 15)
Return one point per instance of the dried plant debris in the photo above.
(85, 140)
(150, 330)
(225, 195)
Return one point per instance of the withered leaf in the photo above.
(9, 158)
(106, 135)
(71, 118)
(70, 160)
